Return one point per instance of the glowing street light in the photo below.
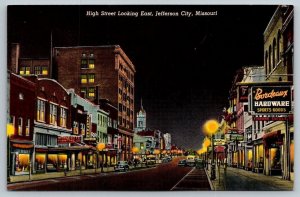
(100, 147)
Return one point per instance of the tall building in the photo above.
(168, 142)
(141, 119)
(101, 70)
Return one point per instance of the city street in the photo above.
(161, 178)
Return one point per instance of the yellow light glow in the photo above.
(10, 130)
(206, 142)
(156, 151)
(211, 126)
(135, 150)
(100, 146)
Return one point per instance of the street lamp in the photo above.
(100, 147)
(135, 150)
(156, 152)
(210, 127)
(10, 130)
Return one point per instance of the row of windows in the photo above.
(102, 120)
(53, 115)
(124, 84)
(125, 123)
(38, 70)
(127, 72)
(45, 140)
(78, 128)
(87, 63)
(89, 91)
(87, 78)
(125, 109)
(272, 55)
(21, 123)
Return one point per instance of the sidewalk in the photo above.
(51, 175)
(219, 184)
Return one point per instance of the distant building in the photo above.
(168, 141)
(141, 119)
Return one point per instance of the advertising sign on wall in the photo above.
(271, 99)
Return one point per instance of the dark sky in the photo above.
(185, 65)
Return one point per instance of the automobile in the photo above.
(165, 160)
(122, 166)
(182, 162)
(150, 160)
(190, 160)
(199, 163)
(169, 158)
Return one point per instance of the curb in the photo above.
(210, 183)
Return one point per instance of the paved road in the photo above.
(161, 178)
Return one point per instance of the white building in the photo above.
(168, 143)
(141, 119)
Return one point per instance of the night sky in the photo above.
(185, 65)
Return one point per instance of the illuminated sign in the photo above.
(271, 99)
(219, 142)
(243, 93)
(68, 139)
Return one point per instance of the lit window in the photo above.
(82, 128)
(40, 110)
(53, 114)
(83, 79)
(20, 125)
(27, 131)
(44, 70)
(24, 70)
(91, 78)
(91, 64)
(83, 92)
(92, 92)
(63, 117)
(83, 63)
(37, 70)
(75, 127)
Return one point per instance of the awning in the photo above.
(22, 146)
(274, 134)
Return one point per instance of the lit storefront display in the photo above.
(259, 158)
(22, 164)
(40, 162)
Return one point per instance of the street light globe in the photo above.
(10, 130)
(206, 142)
(135, 150)
(210, 127)
(100, 146)
(156, 151)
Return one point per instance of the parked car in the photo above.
(150, 159)
(122, 166)
(182, 162)
(190, 160)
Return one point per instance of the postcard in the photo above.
(150, 98)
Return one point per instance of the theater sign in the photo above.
(271, 99)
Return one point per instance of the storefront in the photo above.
(273, 142)
(249, 158)
(21, 158)
(258, 159)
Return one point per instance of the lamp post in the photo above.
(134, 151)
(156, 152)
(210, 128)
(100, 147)
(10, 130)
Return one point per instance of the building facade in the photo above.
(105, 71)
(141, 119)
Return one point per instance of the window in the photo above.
(91, 78)
(53, 114)
(40, 110)
(75, 128)
(44, 70)
(37, 70)
(24, 70)
(45, 140)
(84, 63)
(83, 78)
(82, 129)
(83, 92)
(91, 92)
(27, 131)
(120, 107)
(120, 120)
(20, 125)
(91, 64)
(63, 117)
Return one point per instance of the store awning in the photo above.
(274, 134)
(22, 146)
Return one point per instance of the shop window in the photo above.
(37, 70)
(40, 160)
(52, 162)
(63, 117)
(91, 92)
(53, 114)
(44, 70)
(83, 92)
(91, 63)
(275, 158)
(22, 163)
(27, 131)
(83, 78)
(20, 125)
(91, 78)
(62, 161)
(41, 110)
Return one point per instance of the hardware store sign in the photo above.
(271, 99)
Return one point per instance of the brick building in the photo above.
(105, 71)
